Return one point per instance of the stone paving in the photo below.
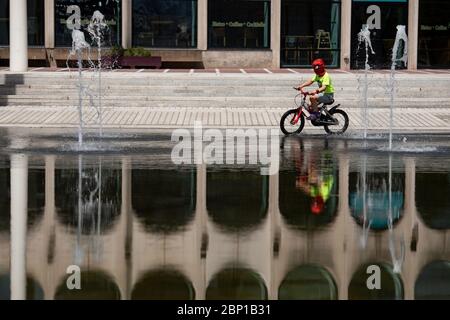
(406, 119)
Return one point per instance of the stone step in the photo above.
(341, 93)
(219, 82)
(214, 102)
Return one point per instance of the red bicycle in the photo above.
(334, 121)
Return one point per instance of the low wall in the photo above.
(237, 59)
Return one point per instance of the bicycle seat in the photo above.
(329, 103)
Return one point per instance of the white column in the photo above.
(410, 271)
(274, 212)
(413, 33)
(19, 208)
(49, 9)
(342, 227)
(201, 215)
(202, 25)
(126, 211)
(49, 227)
(346, 23)
(275, 33)
(18, 36)
(127, 28)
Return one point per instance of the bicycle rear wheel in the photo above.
(342, 124)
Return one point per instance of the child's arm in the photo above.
(305, 84)
(321, 89)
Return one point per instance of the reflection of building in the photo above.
(141, 256)
(236, 33)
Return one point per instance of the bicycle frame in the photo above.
(302, 108)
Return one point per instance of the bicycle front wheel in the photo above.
(288, 127)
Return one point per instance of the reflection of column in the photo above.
(410, 265)
(346, 21)
(202, 217)
(341, 226)
(202, 24)
(19, 208)
(49, 220)
(274, 212)
(126, 211)
(127, 29)
(49, 23)
(50, 187)
(275, 33)
(18, 36)
(413, 30)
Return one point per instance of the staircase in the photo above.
(151, 90)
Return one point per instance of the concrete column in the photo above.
(18, 36)
(413, 33)
(346, 29)
(19, 210)
(126, 211)
(49, 227)
(274, 212)
(127, 27)
(49, 7)
(275, 32)
(342, 226)
(201, 216)
(410, 266)
(202, 25)
(50, 185)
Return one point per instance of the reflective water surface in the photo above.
(140, 227)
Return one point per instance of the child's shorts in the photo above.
(326, 98)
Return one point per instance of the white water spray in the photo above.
(97, 29)
(400, 47)
(364, 37)
(79, 44)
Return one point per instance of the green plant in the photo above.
(137, 52)
(116, 51)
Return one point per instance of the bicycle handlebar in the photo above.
(301, 92)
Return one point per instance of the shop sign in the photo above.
(236, 24)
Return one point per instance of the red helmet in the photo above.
(317, 205)
(319, 67)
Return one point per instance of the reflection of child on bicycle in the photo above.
(314, 177)
(325, 93)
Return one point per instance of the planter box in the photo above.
(134, 62)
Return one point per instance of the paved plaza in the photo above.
(220, 98)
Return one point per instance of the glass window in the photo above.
(310, 30)
(243, 24)
(382, 18)
(165, 23)
(111, 9)
(4, 22)
(36, 22)
(434, 34)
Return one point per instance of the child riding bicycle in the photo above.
(325, 93)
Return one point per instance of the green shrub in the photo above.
(115, 51)
(118, 51)
(137, 52)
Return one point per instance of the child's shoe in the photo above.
(313, 116)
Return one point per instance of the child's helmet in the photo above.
(317, 205)
(319, 67)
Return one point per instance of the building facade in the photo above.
(236, 33)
